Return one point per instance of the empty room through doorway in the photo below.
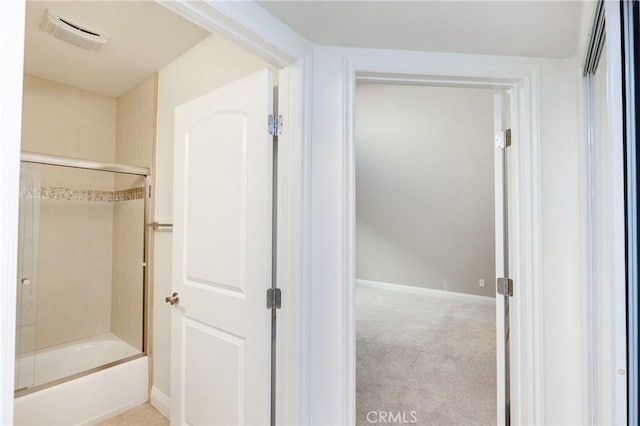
(425, 254)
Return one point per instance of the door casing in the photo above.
(524, 218)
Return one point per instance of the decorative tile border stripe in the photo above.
(129, 194)
(53, 193)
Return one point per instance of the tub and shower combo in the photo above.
(82, 287)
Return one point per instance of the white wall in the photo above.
(564, 325)
(11, 57)
(424, 186)
(210, 64)
(565, 347)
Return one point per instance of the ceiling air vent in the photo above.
(68, 31)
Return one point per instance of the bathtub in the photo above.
(85, 399)
(55, 363)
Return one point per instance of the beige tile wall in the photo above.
(127, 289)
(64, 120)
(135, 144)
(74, 266)
(73, 296)
(90, 255)
(136, 122)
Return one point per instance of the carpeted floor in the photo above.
(427, 354)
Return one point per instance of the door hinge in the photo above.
(274, 298)
(275, 124)
(505, 287)
(503, 138)
(149, 191)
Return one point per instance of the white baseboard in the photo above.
(160, 401)
(426, 291)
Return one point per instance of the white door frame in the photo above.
(12, 15)
(524, 209)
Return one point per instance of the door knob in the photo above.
(173, 299)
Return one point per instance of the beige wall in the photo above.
(425, 187)
(135, 144)
(210, 64)
(73, 290)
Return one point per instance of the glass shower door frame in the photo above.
(27, 270)
(52, 160)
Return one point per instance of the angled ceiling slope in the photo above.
(515, 28)
(144, 37)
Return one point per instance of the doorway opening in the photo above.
(96, 244)
(515, 106)
(425, 254)
(89, 128)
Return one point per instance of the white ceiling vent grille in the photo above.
(66, 30)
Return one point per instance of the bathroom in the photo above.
(94, 263)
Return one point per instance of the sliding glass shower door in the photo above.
(81, 272)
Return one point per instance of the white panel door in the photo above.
(220, 359)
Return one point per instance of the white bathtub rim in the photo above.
(46, 377)
(103, 337)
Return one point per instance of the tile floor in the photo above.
(142, 415)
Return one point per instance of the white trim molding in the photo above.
(526, 340)
(332, 315)
(160, 401)
(12, 16)
(248, 24)
(292, 249)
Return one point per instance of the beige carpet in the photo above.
(430, 355)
